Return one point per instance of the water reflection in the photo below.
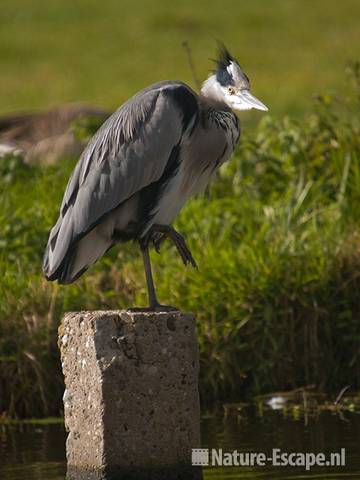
(32, 452)
(163, 473)
(36, 452)
(327, 432)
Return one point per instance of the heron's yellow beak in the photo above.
(244, 100)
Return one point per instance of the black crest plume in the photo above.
(224, 57)
(222, 62)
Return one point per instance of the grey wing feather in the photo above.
(128, 152)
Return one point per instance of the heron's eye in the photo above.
(231, 90)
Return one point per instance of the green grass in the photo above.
(277, 237)
(103, 52)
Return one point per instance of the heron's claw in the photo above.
(156, 307)
(183, 249)
(164, 231)
(157, 242)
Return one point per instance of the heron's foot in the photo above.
(183, 249)
(178, 240)
(158, 240)
(163, 308)
(155, 308)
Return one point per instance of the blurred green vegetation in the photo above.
(103, 52)
(277, 239)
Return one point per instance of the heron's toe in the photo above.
(165, 308)
(155, 308)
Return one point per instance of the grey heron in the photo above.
(158, 149)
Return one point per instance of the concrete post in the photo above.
(131, 402)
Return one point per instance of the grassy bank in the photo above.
(277, 239)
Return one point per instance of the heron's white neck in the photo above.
(212, 95)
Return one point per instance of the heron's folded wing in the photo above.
(129, 152)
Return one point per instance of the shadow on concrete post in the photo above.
(131, 402)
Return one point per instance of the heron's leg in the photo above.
(179, 242)
(149, 277)
(154, 305)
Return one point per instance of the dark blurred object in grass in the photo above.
(47, 137)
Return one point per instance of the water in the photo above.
(327, 432)
(32, 452)
(36, 451)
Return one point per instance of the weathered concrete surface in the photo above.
(131, 401)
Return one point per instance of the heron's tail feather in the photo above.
(52, 257)
(66, 260)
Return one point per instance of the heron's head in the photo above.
(229, 85)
